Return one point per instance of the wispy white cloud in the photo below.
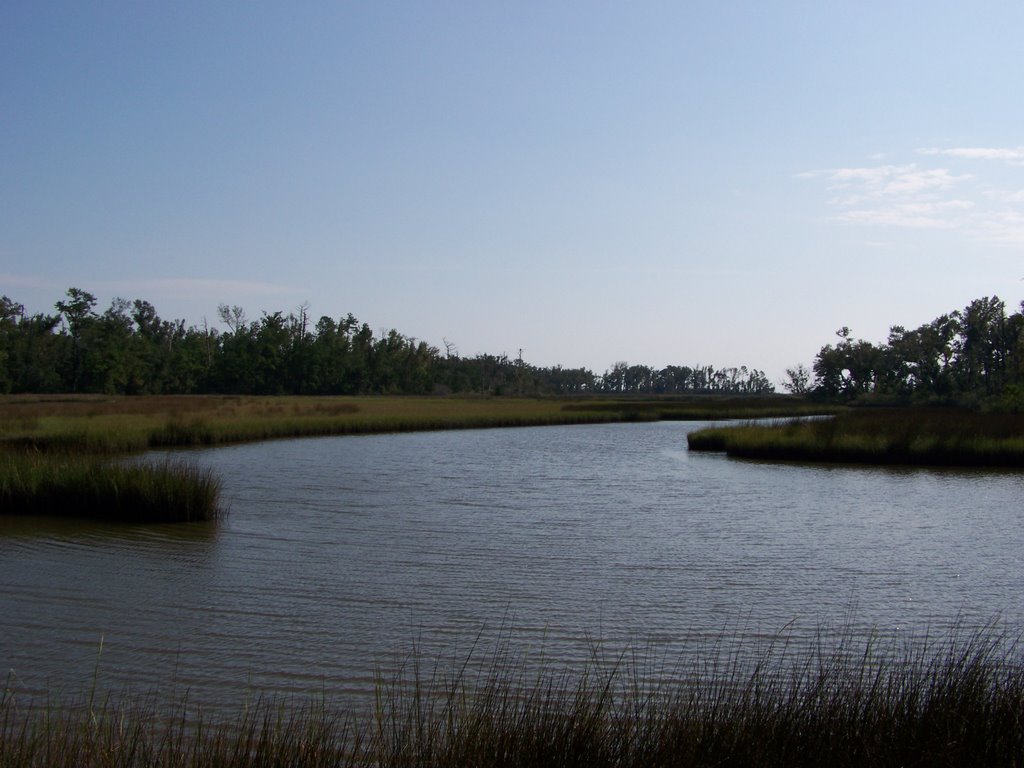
(1008, 154)
(930, 197)
(935, 215)
(1005, 227)
(1006, 196)
(888, 181)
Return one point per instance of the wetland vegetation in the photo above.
(953, 700)
(60, 455)
(922, 436)
(100, 424)
(140, 383)
(83, 486)
(150, 373)
(950, 392)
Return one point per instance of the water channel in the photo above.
(341, 554)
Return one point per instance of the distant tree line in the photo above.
(130, 349)
(968, 356)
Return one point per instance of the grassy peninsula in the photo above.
(925, 436)
(947, 701)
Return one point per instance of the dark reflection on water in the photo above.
(339, 554)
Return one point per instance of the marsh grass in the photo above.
(133, 424)
(702, 407)
(83, 486)
(49, 446)
(950, 437)
(138, 733)
(956, 699)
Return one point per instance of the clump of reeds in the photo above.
(85, 486)
(892, 436)
(137, 734)
(955, 700)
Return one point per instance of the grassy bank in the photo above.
(954, 701)
(949, 437)
(126, 424)
(92, 487)
(58, 454)
(40, 435)
(703, 407)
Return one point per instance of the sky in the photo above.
(719, 183)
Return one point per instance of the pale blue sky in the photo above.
(723, 183)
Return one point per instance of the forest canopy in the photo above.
(129, 349)
(967, 356)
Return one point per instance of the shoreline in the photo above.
(935, 437)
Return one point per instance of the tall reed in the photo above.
(948, 701)
(84, 486)
(891, 436)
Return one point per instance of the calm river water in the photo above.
(341, 554)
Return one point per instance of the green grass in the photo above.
(52, 448)
(83, 486)
(128, 424)
(60, 427)
(948, 701)
(949, 437)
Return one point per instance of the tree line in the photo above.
(129, 349)
(967, 356)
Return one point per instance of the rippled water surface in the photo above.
(340, 554)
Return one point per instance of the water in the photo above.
(341, 554)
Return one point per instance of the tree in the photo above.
(798, 380)
(35, 355)
(77, 310)
(971, 354)
(637, 378)
(615, 379)
(982, 348)
(849, 368)
(78, 316)
(130, 349)
(10, 314)
(111, 360)
(673, 379)
(233, 317)
(273, 344)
